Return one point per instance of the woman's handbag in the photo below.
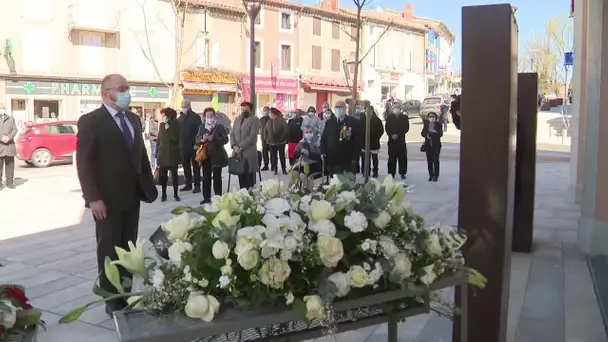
(423, 148)
(201, 153)
(237, 165)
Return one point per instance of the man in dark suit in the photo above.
(341, 142)
(190, 122)
(114, 173)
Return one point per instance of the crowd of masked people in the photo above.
(329, 140)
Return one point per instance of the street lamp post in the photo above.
(253, 7)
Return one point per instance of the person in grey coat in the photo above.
(243, 139)
(8, 150)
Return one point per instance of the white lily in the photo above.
(133, 260)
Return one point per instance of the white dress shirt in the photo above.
(113, 112)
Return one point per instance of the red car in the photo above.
(42, 144)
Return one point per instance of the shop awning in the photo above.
(331, 85)
(196, 87)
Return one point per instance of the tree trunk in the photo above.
(175, 90)
(353, 100)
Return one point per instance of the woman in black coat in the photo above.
(168, 153)
(432, 133)
(376, 132)
(215, 135)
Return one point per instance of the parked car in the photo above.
(431, 105)
(40, 145)
(412, 108)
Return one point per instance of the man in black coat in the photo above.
(341, 142)
(455, 110)
(265, 148)
(397, 125)
(114, 174)
(376, 133)
(189, 122)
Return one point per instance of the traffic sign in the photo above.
(568, 58)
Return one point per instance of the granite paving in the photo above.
(47, 244)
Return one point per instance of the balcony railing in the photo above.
(93, 15)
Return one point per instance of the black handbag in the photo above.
(237, 165)
(423, 148)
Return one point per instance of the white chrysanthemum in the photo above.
(382, 219)
(388, 247)
(369, 245)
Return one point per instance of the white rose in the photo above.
(268, 251)
(382, 219)
(430, 275)
(369, 245)
(176, 250)
(321, 210)
(249, 259)
(388, 246)
(324, 227)
(348, 197)
(403, 266)
(340, 279)
(274, 273)
(314, 307)
(331, 250)
(220, 250)
(223, 218)
(158, 278)
(376, 273)
(432, 245)
(289, 298)
(8, 319)
(290, 243)
(201, 306)
(355, 221)
(179, 226)
(226, 270)
(271, 188)
(277, 206)
(203, 283)
(357, 277)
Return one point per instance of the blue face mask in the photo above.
(123, 100)
(308, 136)
(185, 110)
(340, 112)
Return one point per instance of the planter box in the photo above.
(31, 335)
(280, 323)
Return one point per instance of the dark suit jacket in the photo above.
(347, 150)
(107, 169)
(189, 124)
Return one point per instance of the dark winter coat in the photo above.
(343, 151)
(168, 152)
(276, 131)
(376, 132)
(216, 153)
(263, 121)
(398, 124)
(8, 128)
(189, 124)
(432, 140)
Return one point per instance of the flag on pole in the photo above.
(215, 103)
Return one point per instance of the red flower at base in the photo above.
(1, 329)
(16, 293)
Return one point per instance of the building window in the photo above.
(335, 60)
(316, 26)
(353, 33)
(258, 54)
(203, 52)
(36, 52)
(316, 58)
(46, 110)
(286, 21)
(335, 30)
(370, 84)
(91, 52)
(286, 57)
(88, 106)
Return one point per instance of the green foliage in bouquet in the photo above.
(300, 247)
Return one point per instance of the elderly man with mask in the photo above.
(397, 125)
(189, 123)
(8, 151)
(341, 141)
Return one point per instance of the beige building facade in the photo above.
(56, 52)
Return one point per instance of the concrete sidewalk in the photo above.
(47, 243)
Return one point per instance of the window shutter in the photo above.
(215, 53)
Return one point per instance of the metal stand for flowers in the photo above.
(281, 324)
(30, 335)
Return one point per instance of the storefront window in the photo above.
(46, 110)
(88, 106)
(386, 91)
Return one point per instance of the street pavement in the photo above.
(47, 243)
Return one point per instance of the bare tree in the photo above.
(179, 10)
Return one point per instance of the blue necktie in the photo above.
(126, 132)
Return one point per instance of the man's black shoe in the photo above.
(265, 168)
(196, 190)
(114, 305)
(205, 201)
(403, 177)
(186, 188)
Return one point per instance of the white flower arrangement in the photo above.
(307, 250)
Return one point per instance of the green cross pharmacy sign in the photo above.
(32, 87)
